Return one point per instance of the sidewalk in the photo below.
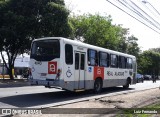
(7, 83)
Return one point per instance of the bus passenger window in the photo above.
(92, 57)
(69, 54)
(121, 62)
(114, 61)
(103, 59)
(129, 63)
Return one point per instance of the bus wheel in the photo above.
(98, 85)
(126, 86)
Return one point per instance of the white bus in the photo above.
(76, 66)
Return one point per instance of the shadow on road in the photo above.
(29, 100)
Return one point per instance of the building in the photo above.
(20, 66)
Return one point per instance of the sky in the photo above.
(147, 38)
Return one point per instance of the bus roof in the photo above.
(84, 45)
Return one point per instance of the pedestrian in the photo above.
(153, 78)
(15, 73)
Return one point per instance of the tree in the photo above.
(155, 50)
(99, 31)
(23, 20)
(132, 46)
(149, 63)
(121, 35)
(96, 30)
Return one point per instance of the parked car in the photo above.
(139, 78)
(147, 77)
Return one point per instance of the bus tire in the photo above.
(126, 86)
(98, 85)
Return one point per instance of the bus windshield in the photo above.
(45, 50)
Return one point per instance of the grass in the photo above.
(132, 112)
(154, 105)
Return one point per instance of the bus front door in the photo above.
(79, 70)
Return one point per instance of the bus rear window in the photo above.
(45, 50)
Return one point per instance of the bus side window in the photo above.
(128, 63)
(122, 62)
(69, 54)
(108, 60)
(103, 59)
(92, 57)
(77, 61)
(114, 60)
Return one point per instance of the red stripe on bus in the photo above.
(98, 72)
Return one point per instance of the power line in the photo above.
(132, 16)
(153, 13)
(144, 12)
(151, 6)
(131, 8)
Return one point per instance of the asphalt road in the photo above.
(38, 96)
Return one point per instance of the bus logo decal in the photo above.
(68, 73)
(52, 67)
(98, 72)
(89, 69)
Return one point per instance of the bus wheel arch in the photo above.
(128, 82)
(98, 84)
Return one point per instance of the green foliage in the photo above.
(99, 31)
(132, 46)
(23, 20)
(149, 63)
(157, 105)
(155, 50)
(95, 30)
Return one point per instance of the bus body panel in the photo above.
(49, 71)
